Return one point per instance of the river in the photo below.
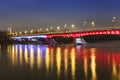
(98, 61)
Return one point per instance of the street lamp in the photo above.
(73, 26)
(47, 29)
(40, 29)
(84, 24)
(51, 29)
(25, 31)
(20, 32)
(113, 21)
(31, 31)
(93, 24)
(65, 26)
(58, 28)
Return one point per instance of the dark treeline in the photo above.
(4, 38)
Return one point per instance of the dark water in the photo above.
(65, 62)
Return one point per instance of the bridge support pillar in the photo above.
(80, 41)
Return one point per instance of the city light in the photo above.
(20, 32)
(25, 31)
(58, 28)
(31, 31)
(113, 21)
(47, 29)
(93, 24)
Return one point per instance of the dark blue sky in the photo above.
(28, 14)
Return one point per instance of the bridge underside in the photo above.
(69, 40)
(101, 38)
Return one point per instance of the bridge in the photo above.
(78, 36)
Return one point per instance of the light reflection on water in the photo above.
(68, 62)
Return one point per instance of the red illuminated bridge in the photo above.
(96, 34)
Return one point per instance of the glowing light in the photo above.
(84, 23)
(58, 28)
(73, 26)
(20, 32)
(26, 54)
(52, 57)
(117, 32)
(73, 63)
(65, 25)
(85, 65)
(114, 69)
(21, 59)
(39, 58)
(58, 60)
(112, 32)
(18, 37)
(16, 53)
(31, 31)
(93, 23)
(47, 29)
(47, 59)
(31, 57)
(93, 65)
(108, 32)
(25, 31)
(51, 28)
(13, 55)
(66, 60)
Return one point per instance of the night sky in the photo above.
(33, 14)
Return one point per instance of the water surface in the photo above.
(99, 61)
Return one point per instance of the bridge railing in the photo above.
(74, 30)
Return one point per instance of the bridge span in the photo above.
(74, 35)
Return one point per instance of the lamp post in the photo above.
(32, 31)
(65, 26)
(40, 29)
(51, 29)
(93, 24)
(84, 24)
(113, 21)
(20, 33)
(25, 32)
(73, 26)
(58, 28)
(47, 29)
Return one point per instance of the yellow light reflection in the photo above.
(66, 61)
(16, 54)
(58, 60)
(8, 49)
(119, 72)
(85, 66)
(31, 57)
(47, 59)
(93, 66)
(13, 55)
(51, 58)
(73, 63)
(114, 70)
(26, 54)
(39, 58)
(21, 59)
